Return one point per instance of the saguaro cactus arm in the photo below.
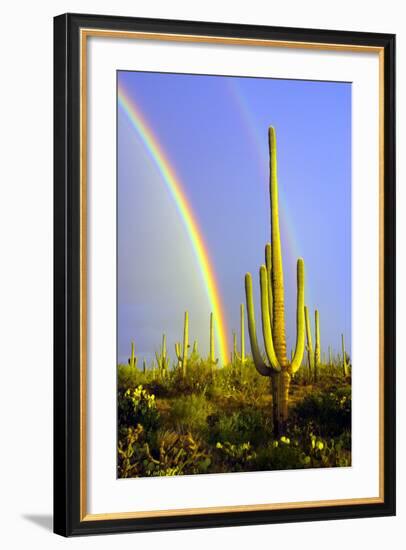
(268, 263)
(177, 351)
(309, 346)
(266, 321)
(300, 318)
(260, 364)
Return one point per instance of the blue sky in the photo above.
(214, 131)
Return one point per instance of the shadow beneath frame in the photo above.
(45, 521)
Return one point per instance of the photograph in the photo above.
(234, 349)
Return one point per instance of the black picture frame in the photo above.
(68, 520)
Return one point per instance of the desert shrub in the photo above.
(174, 454)
(128, 378)
(246, 425)
(180, 454)
(190, 412)
(138, 406)
(240, 383)
(325, 412)
(235, 457)
(198, 378)
(303, 449)
(131, 452)
(281, 454)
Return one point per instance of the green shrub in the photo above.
(327, 413)
(235, 457)
(174, 454)
(240, 383)
(198, 379)
(128, 378)
(246, 425)
(189, 413)
(138, 406)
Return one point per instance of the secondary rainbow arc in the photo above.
(174, 186)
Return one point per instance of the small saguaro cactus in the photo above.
(212, 355)
(132, 361)
(239, 358)
(144, 366)
(317, 349)
(278, 367)
(162, 359)
(182, 353)
(234, 353)
(309, 344)
(330, 357)
(195, 352)
(345, 366)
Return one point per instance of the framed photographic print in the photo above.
(224, 274)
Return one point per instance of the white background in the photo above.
(26, 269)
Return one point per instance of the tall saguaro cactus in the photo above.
(309, 345)
(278, 367)
(182, 354)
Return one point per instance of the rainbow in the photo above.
(174, 187)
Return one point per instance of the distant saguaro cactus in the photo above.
(317, 349)
(162, 359)
(239, 357)
(212, 355)
(279, 368)
(194, 356)
(182, 354)
(132, 361)
(345, 366)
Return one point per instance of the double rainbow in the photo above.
(174, 187)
